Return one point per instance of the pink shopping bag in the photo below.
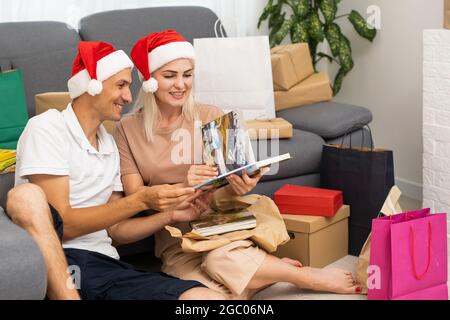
(408, 257)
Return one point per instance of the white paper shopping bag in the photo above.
(235, 73)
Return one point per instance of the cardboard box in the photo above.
(316, 88)
(59, 101)
(292, 199)
(447, 14)
(316, 241)
(277, 128)
(291, 64)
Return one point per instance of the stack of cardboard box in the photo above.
(317, 223)
(294, 80)
(447, 14)
(59, 101)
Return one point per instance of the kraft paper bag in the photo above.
(59, 101)
(390, 207)
(270, 231)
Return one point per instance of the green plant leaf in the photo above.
(345, 54)
(265, 14)
(301, 8)
(328, 9)
(275, 16)
(361, 26)
(276, 28)
(315, 29)
(324, 55)
(337, 85)
(282, 32)
(333, 36)
(299, 31)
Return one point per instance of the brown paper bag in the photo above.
(59, 101)
(291, 64)
(316, 88)
(265, 129)
(270, 231)
(390, 207)
(447, 14)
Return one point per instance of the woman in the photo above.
(150, 156)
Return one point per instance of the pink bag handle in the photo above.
(430, 234)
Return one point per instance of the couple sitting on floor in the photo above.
(79, 186)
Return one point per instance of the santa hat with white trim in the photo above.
(155, 50)
(94, 63)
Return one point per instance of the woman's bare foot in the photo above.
(329, 280)
(292, 262)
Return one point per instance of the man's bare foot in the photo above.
(330, 280)
(292, 262)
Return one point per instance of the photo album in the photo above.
(226, 144)
(223, 222)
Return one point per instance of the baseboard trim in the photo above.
(410, 189)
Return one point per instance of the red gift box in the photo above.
(292, 199)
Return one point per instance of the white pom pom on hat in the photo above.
(94, 63)
(155, 50)
(94, 87)
(151, 85)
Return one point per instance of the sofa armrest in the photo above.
(22, 270)
(326, 119)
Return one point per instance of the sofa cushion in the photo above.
(22, 267)
(123, 28)
(327, 119)
(6, 183)
(305, 149)
(44, 51)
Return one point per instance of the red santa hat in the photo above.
(155, 50)
(94, 63)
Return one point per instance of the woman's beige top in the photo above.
(167, 158)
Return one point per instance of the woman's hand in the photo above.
(165, 196)
(191, 208)
(200, 173)
(243, 184)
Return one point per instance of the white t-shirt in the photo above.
(54, 143)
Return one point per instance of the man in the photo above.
(72, 159)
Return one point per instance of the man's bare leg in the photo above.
(28, 208)
(275, 270)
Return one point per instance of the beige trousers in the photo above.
(227, 269)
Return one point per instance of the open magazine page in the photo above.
(226, 143)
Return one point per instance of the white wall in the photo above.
(238, 16)
(387, 79)
(436, 124)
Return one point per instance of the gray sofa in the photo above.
(44, 51)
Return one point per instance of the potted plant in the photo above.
(314, 21)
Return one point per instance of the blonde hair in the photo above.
(147, 103)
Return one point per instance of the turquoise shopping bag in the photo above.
(13, 109)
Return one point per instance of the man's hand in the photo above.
(200, 173)
(191, 208)
(242, 185)
(164, 197)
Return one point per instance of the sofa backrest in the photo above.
(123, 28)
(43, 50)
